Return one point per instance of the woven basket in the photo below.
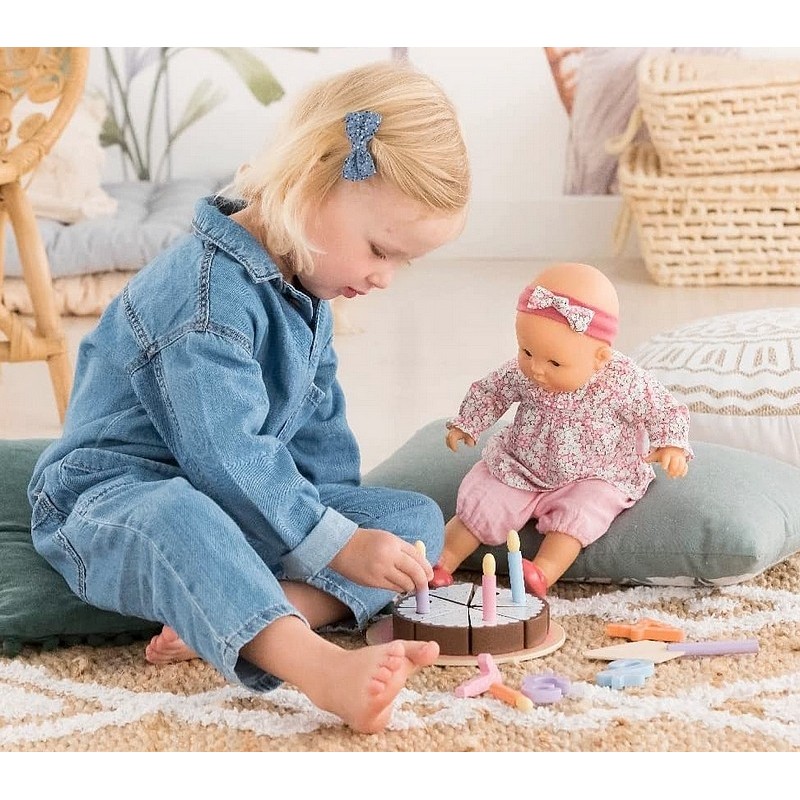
(719, 114)
(711, 230)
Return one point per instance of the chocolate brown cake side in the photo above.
(455, 622)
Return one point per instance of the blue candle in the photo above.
(422, 594)
(515, 569)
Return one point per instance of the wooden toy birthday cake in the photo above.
(456, 621)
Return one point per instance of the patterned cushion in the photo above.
(149, 217)
(739, 375)
(67, 184)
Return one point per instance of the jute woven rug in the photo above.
(110, 699)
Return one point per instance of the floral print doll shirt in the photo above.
(601, 430)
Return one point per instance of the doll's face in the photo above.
(554, 356)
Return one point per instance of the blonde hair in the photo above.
(418, 148)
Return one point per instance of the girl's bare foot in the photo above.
(167, 648)
(360, 685)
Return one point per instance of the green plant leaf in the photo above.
(205, 98)
(259, 80)
(110, 133)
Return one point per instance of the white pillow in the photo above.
(66, 186)
(739, 375)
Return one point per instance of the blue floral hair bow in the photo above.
(360, 127)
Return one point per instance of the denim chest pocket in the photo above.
(305, 408)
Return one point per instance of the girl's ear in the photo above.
(602, 356)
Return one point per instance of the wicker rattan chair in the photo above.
(39, 90)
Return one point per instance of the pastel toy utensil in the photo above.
(480, 683)
(511, 696)
(719, 647)
(664, 651)
(546, 688)
(652, 651)
(646, 629)
(625, 672)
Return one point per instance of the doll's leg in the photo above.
(556, 554)
(470, 525)
(459, 542)
(486, 510)
(572, 517)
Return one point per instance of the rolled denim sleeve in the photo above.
(206, 395)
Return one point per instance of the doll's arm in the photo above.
(485, 402)
(666, 421)
(456, 435)
(673, 460)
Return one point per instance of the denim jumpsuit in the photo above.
(206, 453)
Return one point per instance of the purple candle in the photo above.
(422, 594)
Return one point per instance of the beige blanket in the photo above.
(109, 698)
(77, 296)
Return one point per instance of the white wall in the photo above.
(515, 127)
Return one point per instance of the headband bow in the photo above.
(578, 317)
(360, 127)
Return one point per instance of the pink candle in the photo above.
(489, 590)
(422, 594)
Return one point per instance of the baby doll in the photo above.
(574, 455)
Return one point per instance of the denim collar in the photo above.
(211, 223)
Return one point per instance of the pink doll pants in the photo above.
(583, 509)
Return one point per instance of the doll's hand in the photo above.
(378, 558)
(456, 435)
(672, 460)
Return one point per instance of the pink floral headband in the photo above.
(580, 317)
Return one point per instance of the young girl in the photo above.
(572, 455)
(207, 477)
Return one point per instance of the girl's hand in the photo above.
(672, 460)
(380, 559)
(456, 435)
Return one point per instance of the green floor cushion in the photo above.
(36, 605)
(734, 515)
